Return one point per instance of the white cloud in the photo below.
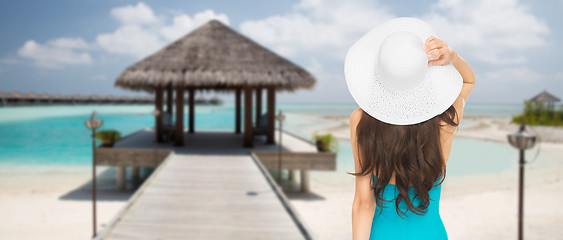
(321, 27)
(131, 40)
(142, 33)
(513, 75)
(56, 53)
(182, 23)
(138, 14)
(491, 31)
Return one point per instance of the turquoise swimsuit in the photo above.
(389, 225)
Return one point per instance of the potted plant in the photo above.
(108, 137)
(325, 142)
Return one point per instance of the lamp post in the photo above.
(93, 124)
(521, 140)
(155, 113)
(280, 117)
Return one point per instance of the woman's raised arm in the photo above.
(440, 53)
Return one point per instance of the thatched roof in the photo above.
(545, 97)
(77, 97)
(110, 98)
(14, 94)
(31, 95)
(45, 96)
(57, 96)
(214, 57)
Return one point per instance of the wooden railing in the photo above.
(302, 161)
(129, 157)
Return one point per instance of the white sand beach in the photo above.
(54, 202)
(472, 207)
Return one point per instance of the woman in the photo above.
(411, 88)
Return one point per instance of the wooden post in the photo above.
(304, 181)
(136, 173)
(248, 134)
(291, 175)
(169, 99)
(191, 110)
(179, 136)
(121, 177)
(237, 110)
(258, 105)
(271, 115)
(158, 106)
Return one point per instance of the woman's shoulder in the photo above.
(356, 115)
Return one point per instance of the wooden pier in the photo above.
(211, 188)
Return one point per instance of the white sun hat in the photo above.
(388, 75)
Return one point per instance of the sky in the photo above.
(69, 46)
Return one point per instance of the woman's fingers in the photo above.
(429, 39)
(433, 42)
(436, 53)
(437, 62)
(437, 50)
(433, 45)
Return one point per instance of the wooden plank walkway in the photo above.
(205, 192)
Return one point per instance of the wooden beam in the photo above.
(305, 181)
(169, 94)
(133, 157)
(136, 173)
(179, 136)
(237, 110)
(248, 135)
(158, 106)
(121, 173)
(325, 161)
(191, 110)
(258, 105)
(271, 114)
(291, 175)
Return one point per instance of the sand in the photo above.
(54, 202)
(472, 207)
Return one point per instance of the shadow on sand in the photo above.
(292, 190)
(107, 187)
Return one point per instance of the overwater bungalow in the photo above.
(3, 101)
(58, 98)
(214, 57)
(14, 97)
(109, 99)
(31, 97)
(45, 98)
(215, 101)
(147, 99)
(94, 99)
(77, 98)
(201, 100)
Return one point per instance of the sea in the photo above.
(56, 135)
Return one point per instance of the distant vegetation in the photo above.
(538, 113)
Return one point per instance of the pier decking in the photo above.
(211, 188)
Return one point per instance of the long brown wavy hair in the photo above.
(412, 152)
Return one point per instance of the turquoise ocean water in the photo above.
(56, 135)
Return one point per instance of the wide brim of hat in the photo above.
(434, 95)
